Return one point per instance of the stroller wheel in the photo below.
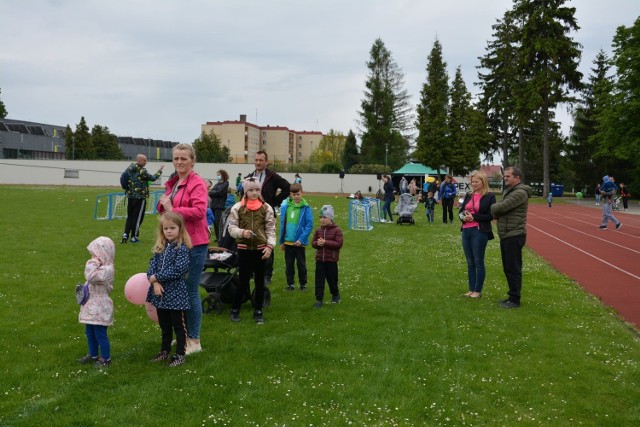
(209, 304)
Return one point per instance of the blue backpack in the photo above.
(124, 179)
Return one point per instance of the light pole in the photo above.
(386, 152)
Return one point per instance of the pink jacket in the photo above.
(190, 201)
(99, 273)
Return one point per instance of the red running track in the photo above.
(604, 262)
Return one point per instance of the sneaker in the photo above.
(176, 360)
(257, 316)
(303, 287)
(192, 347)
(335, 299)
(502, 301)
(618, 226)
(290, 288)
(124, 238)
(510, 304)
(103, 362)
(318, 304)
(235, 315)
(135, 240)
(163, 355)
(383, 220)
(603, 227)
(87, 359)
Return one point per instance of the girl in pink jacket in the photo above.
(97, 312)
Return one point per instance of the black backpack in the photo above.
(124, 179)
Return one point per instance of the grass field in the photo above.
(403, 348)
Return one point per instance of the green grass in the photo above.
(403, 348)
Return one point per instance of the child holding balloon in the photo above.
(97, 312)
(168, 291)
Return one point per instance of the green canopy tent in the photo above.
(417, 170)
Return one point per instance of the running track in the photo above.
(604, 262)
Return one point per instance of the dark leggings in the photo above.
(172, 321)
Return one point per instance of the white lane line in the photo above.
(593, 236)
(586, 253)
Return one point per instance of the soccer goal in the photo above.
(114, 205)
(360, 215)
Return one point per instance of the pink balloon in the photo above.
(136, 288)
(152, 312)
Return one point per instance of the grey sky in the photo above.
(160, 68)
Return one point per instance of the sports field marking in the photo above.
(593, 235)
(585, 252)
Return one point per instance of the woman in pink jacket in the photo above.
(186, 194)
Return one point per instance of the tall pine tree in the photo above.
(432, 145)
(551, 58)
(385, 115)
(464, 155)
(497, 86)
(350, 155)
(582, 146)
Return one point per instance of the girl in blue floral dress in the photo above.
(168, 291)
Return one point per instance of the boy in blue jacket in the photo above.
(296, 224)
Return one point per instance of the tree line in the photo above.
(529, 68)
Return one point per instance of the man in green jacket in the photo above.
(511, 213)
(137, 193)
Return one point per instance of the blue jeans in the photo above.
(386, 209)
(474, 244)
(194, 314)
(97, 338)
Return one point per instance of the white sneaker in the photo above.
(192, 347)
(383, 220)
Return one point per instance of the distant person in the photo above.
(252, 223)
(389, 197)
(626, 195)
(218, 197)
(297, 179)
(475, 214)
(273, 189)
(296, 224)
(446, 195)
(511, 213)
(413, 187)
(137, 193)
(404, 185)
(608, 189)
(597, 191)
(97, 312)
(239, 189)
(550, 199)
(327, 240)
(430, 207)
(168, 290)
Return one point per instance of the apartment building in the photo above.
(282, 144)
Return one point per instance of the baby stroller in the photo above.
(220, 276)
(406, 205)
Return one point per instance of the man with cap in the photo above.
(270, 182)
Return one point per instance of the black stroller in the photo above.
(220, 275)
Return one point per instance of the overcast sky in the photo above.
(161, 68)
